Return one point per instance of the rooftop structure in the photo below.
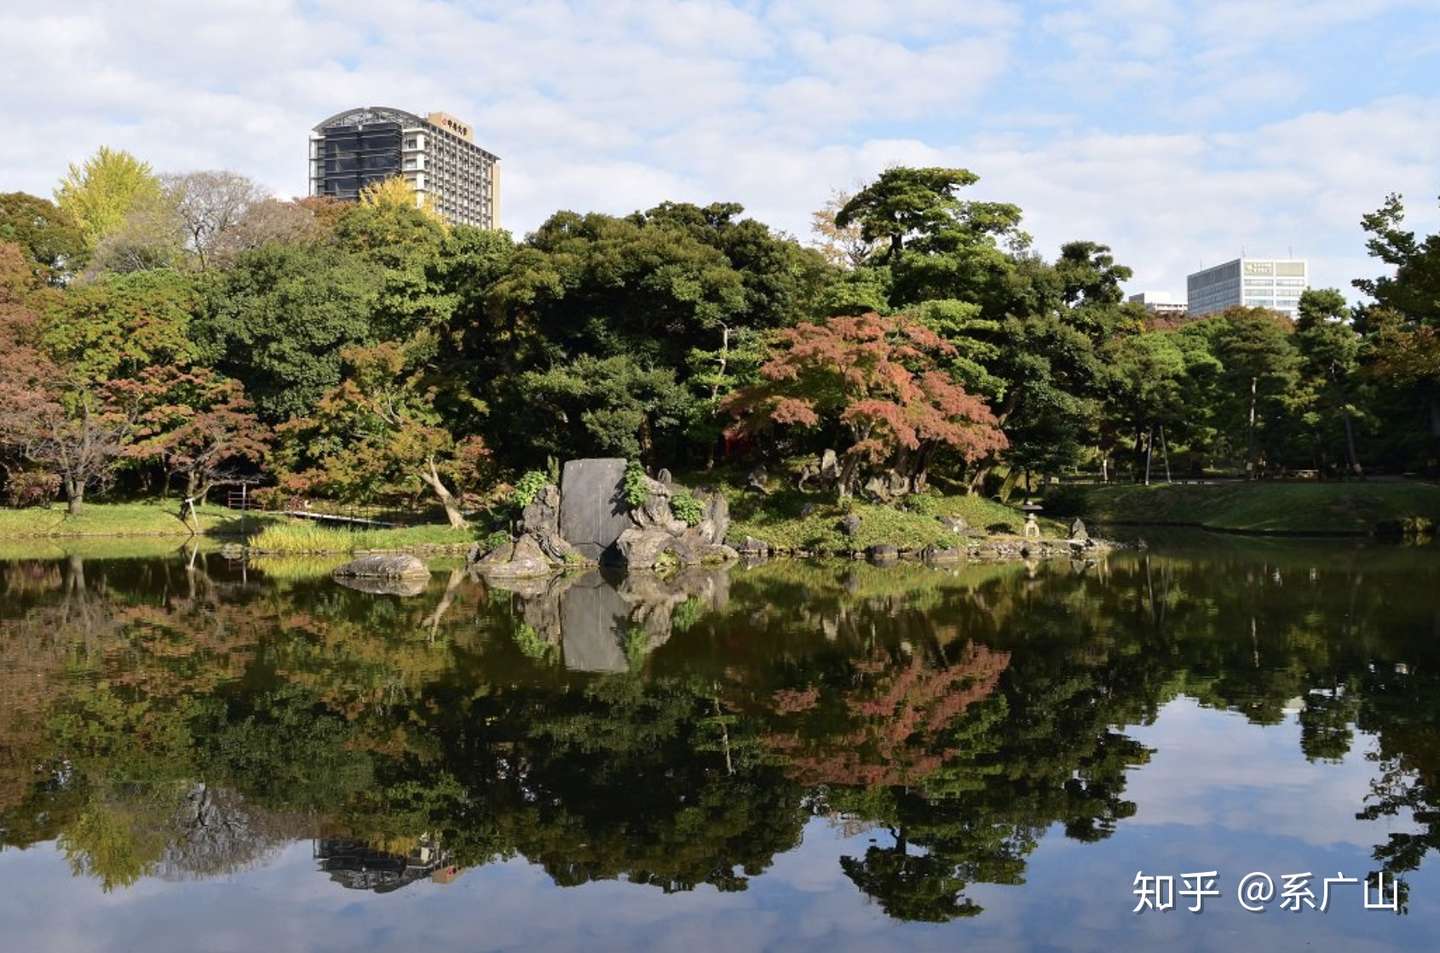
(1274, 283)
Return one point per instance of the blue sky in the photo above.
(1178, 132)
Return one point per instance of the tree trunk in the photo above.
(977, 482)
(447, 499)
(74, 496)
(1165, 451)
(1250, 433)
(1352, 460)
(1149, 452)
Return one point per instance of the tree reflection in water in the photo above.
(185, 718)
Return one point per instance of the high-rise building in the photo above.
(1160, 303)
(436, 155)
(1273, 283)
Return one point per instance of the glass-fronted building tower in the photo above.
(436, 155)
(1273, 283)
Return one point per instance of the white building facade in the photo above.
(1160, 303)
(1273, 283)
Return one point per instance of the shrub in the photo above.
(686, 508)
(31, 487)
(636, 492)
(527, 487)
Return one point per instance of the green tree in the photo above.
(118, 325)
(1330, 356)
(46, 233)
(278, 319)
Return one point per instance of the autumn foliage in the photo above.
(877, 380)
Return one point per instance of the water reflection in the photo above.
(189, 718)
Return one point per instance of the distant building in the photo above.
(1160, 303)
(1250, 282)
(436, 155)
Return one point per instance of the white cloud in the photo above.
(1130, 121)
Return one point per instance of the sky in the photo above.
(1179, 133)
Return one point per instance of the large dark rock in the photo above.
(384, 566)
(850, 524)
(882, 553)
(594, 619)
(593, 511)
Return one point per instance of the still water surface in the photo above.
(197, 755)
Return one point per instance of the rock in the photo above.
(887, 487)
(640, 547)
(750, 546)
(1077, 530)
(500, 554)
(850, 524)
(383, 566)
(593, 511)
(655, 512)
(386, 585)
(757, 481)
(541, 519)
(664, 476)
(941, 554)
(807, 510)
(718, 513)
(518, 560)
(829, 466)
(882, 553)
(955, 524)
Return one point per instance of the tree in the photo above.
(876, 380)
(100, 192)
(1256, 350)
(903, 203)
(1330, 349)
(118, 325)
(193, 421)
(842, 247)
(377, 436)
(1155, 379)
(1404, 323)
(605, 406)
(210, 207)
(47, 422)
(279, 317)
(46, 233)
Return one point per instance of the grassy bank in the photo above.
(141, 518)
(789, 519)
(1261, 507)
(300, 537)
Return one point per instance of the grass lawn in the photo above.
(298, 537)
(141, 518)
(1260, 507)
(780, 519)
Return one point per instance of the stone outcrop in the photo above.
(593, 511)
(384, 566)
(384, 574)
(887, 487)
(523, 558)
(541, 519)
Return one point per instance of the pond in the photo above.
(198, 754)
